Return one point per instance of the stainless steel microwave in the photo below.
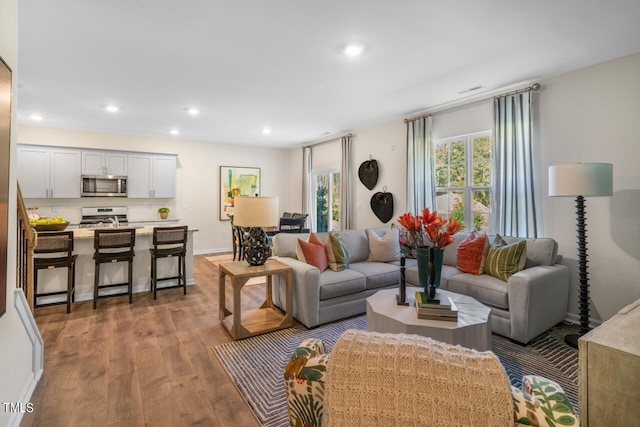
(104, 186)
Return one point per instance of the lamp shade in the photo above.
(256, 212)
(581, 179)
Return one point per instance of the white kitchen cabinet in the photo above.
(95, 162)
(49, 172)
(151, 176)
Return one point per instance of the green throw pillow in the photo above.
(337, 252)
(503, 260)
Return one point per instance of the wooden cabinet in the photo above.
(151, 176)
(96, 162)
(609, 363)
(49, 172)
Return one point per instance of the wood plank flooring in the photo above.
(145, 364)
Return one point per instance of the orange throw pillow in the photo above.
(312, 252)
(472, 252)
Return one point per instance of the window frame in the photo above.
(314, 176)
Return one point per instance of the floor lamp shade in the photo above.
(581, 180)
(254, 213)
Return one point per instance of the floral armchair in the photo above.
(396, 379)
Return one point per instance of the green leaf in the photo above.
(563, 408)
(566, 420)
(524, 420)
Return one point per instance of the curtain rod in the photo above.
(328, 140)
(534, 87)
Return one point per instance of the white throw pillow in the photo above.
(385, 248)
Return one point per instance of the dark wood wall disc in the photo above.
(368, 173)
(382, 206)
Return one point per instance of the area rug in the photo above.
(255, 364)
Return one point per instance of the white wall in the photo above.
(592, 115)
(197, 180)
(16, 378)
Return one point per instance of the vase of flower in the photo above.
(429, 269)
(426, 236)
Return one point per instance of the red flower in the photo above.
(428, 226)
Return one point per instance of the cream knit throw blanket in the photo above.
(379, 379)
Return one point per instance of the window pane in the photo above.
(457, 152)
(482, 174)
(442, 176)
(322, 202)
(456, 207)
(482, 149)
(335, 201)
(442, 154)
(481, 209)
(457, 176)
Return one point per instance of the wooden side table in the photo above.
(267, 317)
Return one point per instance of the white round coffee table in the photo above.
(471, 330)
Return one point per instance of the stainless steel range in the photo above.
(104, 217)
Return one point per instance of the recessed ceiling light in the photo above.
(112, 108)
(266, 131)
(36, 117)
(174, 132)
(353, 49)
(193, 111)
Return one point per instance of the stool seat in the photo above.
(113, 246)
(169, 242)
(55, 243)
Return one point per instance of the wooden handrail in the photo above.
(27, 240)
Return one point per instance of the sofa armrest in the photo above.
(542, 403)
(538, 298)
(304, 382)
(306, 291)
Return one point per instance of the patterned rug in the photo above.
(255, 364)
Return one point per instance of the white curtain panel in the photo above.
(515, 213)
(420, 166)
(346, 185)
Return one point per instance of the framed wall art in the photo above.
(236, 181)
(5, 151)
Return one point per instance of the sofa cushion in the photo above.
(484, 288)
(312, 252)
(540, 251)
(450, 256)
(503, 259)
(385, 248)
(357, 244)
(335, 284)
(337, 252)
(472, 252)
(412, 277)
(285, 244)
(378, 274)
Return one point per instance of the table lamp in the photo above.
(581, 180)
(255, 213)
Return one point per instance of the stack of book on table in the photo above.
(442, 309)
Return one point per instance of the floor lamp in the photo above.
(255, 213)
(581, 180)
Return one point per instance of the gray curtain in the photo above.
(515, 213)
(307, 189)
(346, 186)
(420, 166)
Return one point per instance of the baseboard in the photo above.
(37, 353)
(574, 319)
(213, 251)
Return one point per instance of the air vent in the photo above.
(471, 89)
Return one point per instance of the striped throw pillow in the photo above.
(504, 260)
(337, 252)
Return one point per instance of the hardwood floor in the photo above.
(145, 364)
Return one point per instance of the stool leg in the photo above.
(73, 292)
(183, 266)
(154, 278)
(69, 282)
(35, 287)
(95, 285)
(130, 281)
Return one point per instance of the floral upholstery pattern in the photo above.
(304, 377)
(542, 402)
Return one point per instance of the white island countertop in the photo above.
(87, 233)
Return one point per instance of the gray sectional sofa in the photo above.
(529, 303)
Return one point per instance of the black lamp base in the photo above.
(572, 340)
(257, 247)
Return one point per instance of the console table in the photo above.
(609, 363)
(266, 318)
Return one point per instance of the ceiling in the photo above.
(278, 64)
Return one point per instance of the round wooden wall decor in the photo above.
(382, 205)
(368, 173)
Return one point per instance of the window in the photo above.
(464, 179)
(327, 200)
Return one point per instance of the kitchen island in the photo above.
(56, 279)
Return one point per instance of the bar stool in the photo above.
(169, 242)
(50, 243)
(110, 246)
